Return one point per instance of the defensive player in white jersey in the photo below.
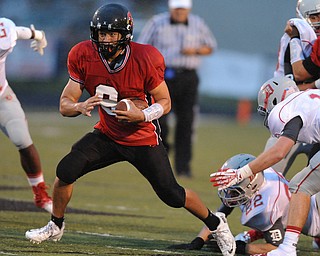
(307, 34)
(291, 115)
(264, 201)
(12, 117)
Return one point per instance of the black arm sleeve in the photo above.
(275, 235)
(312, 68)
(287, 65)
(225, 209)
(292, 128)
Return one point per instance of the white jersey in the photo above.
(307, 38)
(306, 105)
(8, 38)
(269, 204)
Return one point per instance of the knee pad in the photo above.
(174, 197)
(71, 167)
(308, 179)
(18, 132)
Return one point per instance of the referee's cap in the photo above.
(173, 4)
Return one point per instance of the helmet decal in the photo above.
(272, 92)
(268, 91)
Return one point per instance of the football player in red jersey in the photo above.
(110, 67)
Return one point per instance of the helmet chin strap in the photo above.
(108, 51)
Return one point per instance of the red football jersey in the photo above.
(315, 54)
(141, 71)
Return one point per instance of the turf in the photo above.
(114, 211)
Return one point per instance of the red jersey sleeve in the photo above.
(74, 64)
(312, 63)
(154, 67)
(315, 54)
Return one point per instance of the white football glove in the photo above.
(224, 178)
(245, 237)
(229, 177)
(39, 41)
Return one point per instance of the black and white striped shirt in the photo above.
(170, 39)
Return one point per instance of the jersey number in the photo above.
(109, 95)
(253, 203)
(3, 32)
(314, 96)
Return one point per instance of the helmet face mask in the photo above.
(111, 18)
(241, 193)
(306, 9)
(272, 92)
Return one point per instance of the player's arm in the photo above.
(161, 107)
(272, 155)
(310, 85)
(162, 103)
(303, 68)
(266, 159)
(281, 148)
(161, 96)
(39, 41)
(69, 101)
(273, 237)
(299, 71)
(202, 50)
(197, 243)
(259, 248)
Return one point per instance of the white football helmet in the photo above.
(305, 8)
(272, 92)
(242, 192)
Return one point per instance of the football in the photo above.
(125, 106)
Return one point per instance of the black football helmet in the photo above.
(111, 17)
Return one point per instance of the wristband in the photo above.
(296, 53)
(244, 172)
(155, 111)
(33, 34)
(317, 84)
(24, 33)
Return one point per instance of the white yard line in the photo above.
(126, 248)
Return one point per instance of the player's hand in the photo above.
(38, 44)
(225, 178)
(291, 30)
(189, 51)
(196, 244)
(133, 115)
(87, 106)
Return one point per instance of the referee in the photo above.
(182, 38)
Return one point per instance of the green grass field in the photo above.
(123, 215)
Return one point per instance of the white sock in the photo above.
(291, 239)
(34, 181)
